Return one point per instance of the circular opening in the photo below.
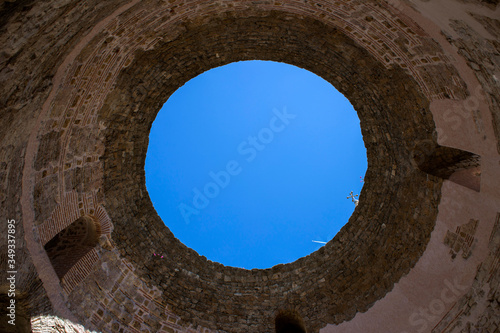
(250, 164)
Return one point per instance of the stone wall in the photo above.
(82, 82)
(478, 309)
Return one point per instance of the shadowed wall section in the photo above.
(289, 322)
(71, 244)
(459, 166)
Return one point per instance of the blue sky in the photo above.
(249, 162)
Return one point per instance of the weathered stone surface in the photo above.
(81, 82)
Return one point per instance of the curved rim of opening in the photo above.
(157, 196)
(377, 233)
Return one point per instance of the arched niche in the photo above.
(72, 243)
(289, 322)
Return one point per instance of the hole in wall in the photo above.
(72, 243)
(393, 113)
(289, 322)
(250, 163)
(458, 166)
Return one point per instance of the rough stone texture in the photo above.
(482, 302)
(483, 56)
(81, 82)
(370, 265)
(462, 240)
